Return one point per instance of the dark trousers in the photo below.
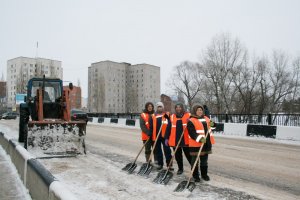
(203, 163)
(179, 158)
(148, 149)
(159, 154)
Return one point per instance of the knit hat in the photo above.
(159, 104)
(195, 107)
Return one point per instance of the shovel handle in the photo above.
(152, 152)
(176, 148)
(197, 159)
(141, 150)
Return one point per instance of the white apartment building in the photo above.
(21, 69)
(121, 87)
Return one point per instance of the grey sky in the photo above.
(162, 33)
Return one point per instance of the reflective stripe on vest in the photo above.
(172, 138)
(200, 131)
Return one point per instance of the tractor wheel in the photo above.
(24, 117)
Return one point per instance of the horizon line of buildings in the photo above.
(112, 87)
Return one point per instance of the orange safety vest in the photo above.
(164, 122)
(145, 117)
(200, 131)
(172, 138)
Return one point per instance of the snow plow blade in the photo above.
(56, 137)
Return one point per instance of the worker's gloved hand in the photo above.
(167, 142)
(203, 140)
(212, 124)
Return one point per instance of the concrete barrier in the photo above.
(288, 133)
(4, 141)
(235, 129)
(56, 192)
(137, 123)
(106, 120)
(122, 121)
(20, 161)
(95, 120)
(38, 179)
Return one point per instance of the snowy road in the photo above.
(239, 168)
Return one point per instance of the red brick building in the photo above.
(167, 101)
(2, 95)
(75, 97)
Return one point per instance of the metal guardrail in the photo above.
(263, 119)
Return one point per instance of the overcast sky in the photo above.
(158, 32)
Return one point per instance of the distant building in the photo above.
(2, 95)
(75, 97)
(121, 87)
(21, 69)
(168, 103)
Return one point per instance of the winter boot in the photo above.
(204, 173)
(196, 175)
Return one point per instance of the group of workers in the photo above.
(184, 130)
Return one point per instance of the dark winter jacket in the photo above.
(192, 133)
(143, 123)
(179, 130)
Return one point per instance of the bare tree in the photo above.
(186, 80)
(220, 59)
(280, 80)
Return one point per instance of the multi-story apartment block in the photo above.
(142, 85)
(107, 87)
(122, 87)
(21, 69)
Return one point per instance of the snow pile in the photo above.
(54, 139)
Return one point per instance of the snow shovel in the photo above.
(188, 184)
(164, 176)
(146, 168)
(130, 167)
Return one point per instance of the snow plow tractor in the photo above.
(45, 124)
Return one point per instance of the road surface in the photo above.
(239, 168)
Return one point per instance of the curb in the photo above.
(36, 178)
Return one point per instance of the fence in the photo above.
(263, 119)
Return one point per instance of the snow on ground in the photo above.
(11, 186)
(98, 175)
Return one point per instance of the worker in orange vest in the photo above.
(160, 119)
(176, 127)
(198, 125)
(145, 127)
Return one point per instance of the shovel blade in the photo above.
(148, 170)
(165, 180)
(145, 169)
(142, 169)
(130, 167)
(185, 185)
(159, 176)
